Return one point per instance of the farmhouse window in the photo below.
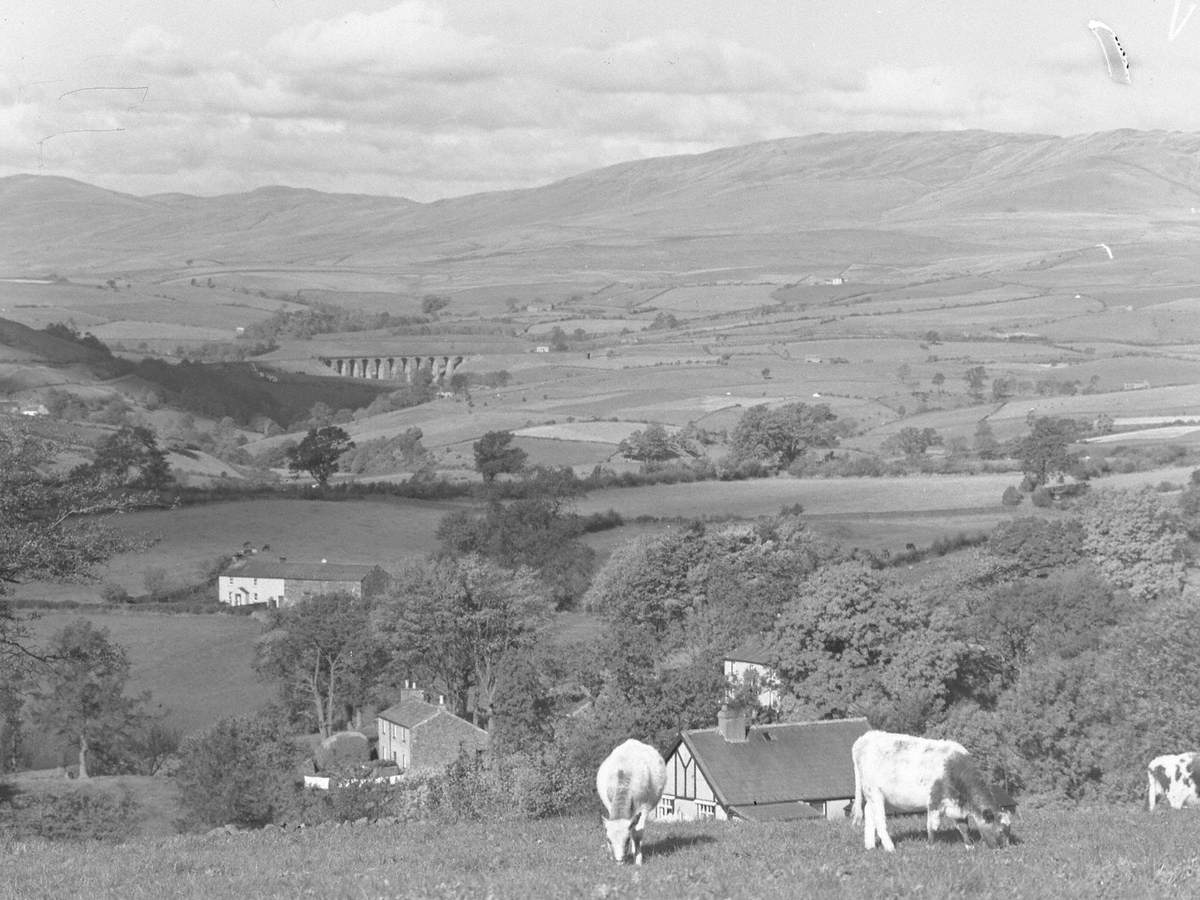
(705, 810)
(666, 806)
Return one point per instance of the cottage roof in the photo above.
(776, 812)
(753, 650)
(297, 571)
(412, 712)
(805, 761)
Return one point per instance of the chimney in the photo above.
(442, 700)
(731, 723)
(410, 691)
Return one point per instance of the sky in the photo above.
(437, 98)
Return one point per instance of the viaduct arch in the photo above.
(393, 368)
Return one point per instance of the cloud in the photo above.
(152, 50)
(673, 63)
(411, 39)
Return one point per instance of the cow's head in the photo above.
(625, 837)
(995, 827)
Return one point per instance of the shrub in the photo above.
(83, 813)
(1011, 496)
(110, 592)
(1041, 498)
(240, 771)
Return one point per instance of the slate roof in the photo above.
(297, 571)
(754, 650)
(808, 761)
(411, 712)
(776, 812)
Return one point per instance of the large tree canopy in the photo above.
(323, 653)
(784, 433)
(318, 453)
(495, 455)
(453, 622)
(52, 526)
(81, 697)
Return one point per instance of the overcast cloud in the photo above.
(433, 98)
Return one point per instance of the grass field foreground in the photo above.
(1082, 853)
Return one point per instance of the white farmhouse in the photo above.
(277, 583)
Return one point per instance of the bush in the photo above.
(1011, 496)
(110, 592)
(240, 771)
(1041, 498)
(83, 813)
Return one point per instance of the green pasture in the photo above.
(386, 531)
(882, 499)
(198, 668)
(1085, 853)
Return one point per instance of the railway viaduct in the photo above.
(393, 368)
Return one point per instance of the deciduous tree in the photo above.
(52, 527)
(1044, 452)
(131, 457)
(324, 655)
(855, 641)
(1136, 539)
(237, 772)
(494, 455)
(318, 453)
(81, 697)
(784, 433)
(453, 621)
(651, 444)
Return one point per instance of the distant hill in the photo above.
(888, 195)
(20, 343)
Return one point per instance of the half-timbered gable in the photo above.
(794, 770)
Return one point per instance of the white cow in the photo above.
(1175, 777)
(629, 783)
(912, 774)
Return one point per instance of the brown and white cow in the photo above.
(629, 783)
(910, 774)
(1175, 777)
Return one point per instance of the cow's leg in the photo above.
(877, 822)
(933, 821)
(1152, 793)
(964, 829)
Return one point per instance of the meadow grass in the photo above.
(198, 668)
(1118, 852)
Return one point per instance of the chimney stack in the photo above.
(731, 723)
(410, 691)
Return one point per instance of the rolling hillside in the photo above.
(923, 195)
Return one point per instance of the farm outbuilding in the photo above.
(793, 770)
(287, 583)
(417, 735)
(752, 661)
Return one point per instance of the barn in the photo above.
(793, 770)
(286, 583)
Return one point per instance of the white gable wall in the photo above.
(240, 590)
(687, 795)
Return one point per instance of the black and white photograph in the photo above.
(604, 450)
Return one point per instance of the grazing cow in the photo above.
(629, 783)
(911, 774)
(1175, 777)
